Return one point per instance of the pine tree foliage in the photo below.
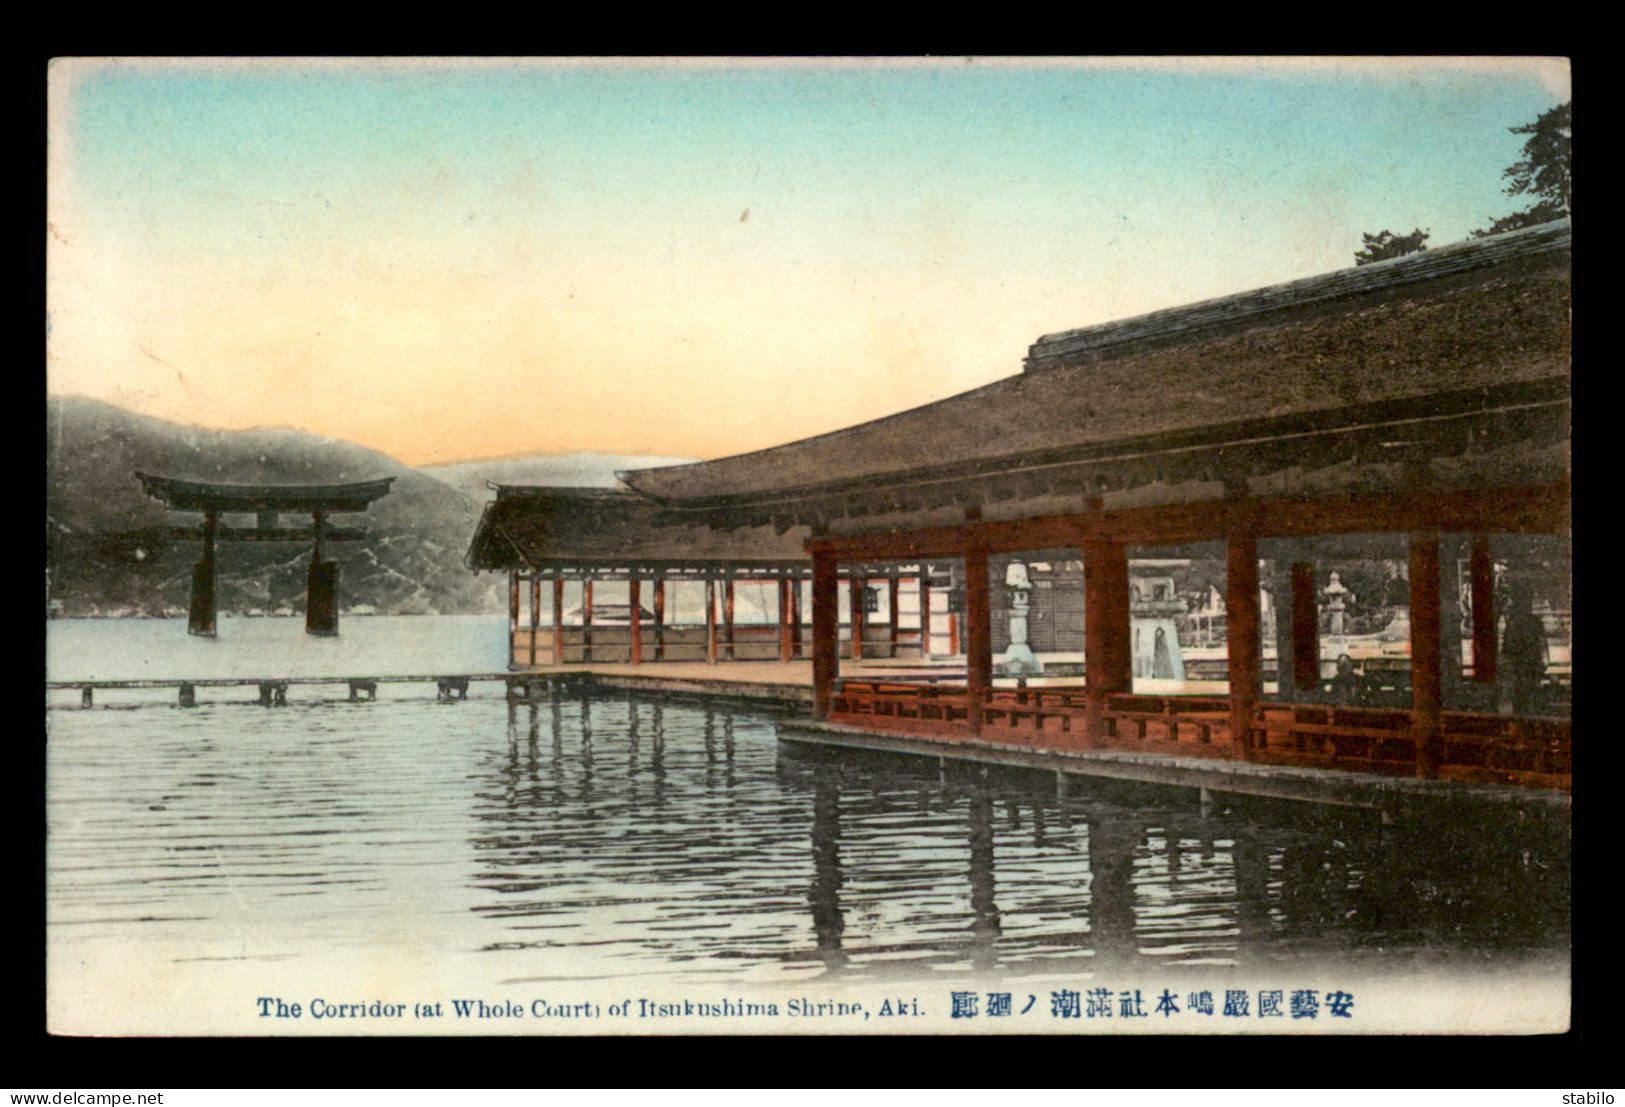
(1381, 247)
(1542, 173)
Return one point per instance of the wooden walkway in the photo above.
(676, 679)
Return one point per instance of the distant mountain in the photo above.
(107, 551)
(582, 470)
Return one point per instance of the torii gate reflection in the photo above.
(266, 502)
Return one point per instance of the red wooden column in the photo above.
(558, 618)
(978, 633)
(728, 614)
(1483, 578)
(634, 589)
(826, 632)
(1426, 669)
(660, 618)
(1305, 630)
(535, 614)
(1241, 645)
(786, 646)
(513, 616)
(796, 649)
(891, 603)
(586, 619)
(925, 610)
(856, 586)
(1107, 664)
(710, 621)
(953, 633)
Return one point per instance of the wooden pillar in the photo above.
(728, 614)
(710, 621)
(796, 649)
(513, 615)
(660, 618)
(558, 618)
(634, 589)
(535, 614)
(953, 633)
(1241, 608)
(1107, 661)
(1483, 584)
(891, 602)
(826, 632)
(856, 586)
(586, 618)
(201, 617)
(321, 586)
(978, 633)
(925, 611)
(786, 646)
(1305, 628)
(1425, 652)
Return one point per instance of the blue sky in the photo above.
(451, 260)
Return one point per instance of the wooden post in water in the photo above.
(728, 613)
(826, 632)
(635, 616)
(558, 618)
(513, 617)
(978, 633)
(1425, 652)
(660, 618)
(1108, 666)
(710, 621)
(201, 616)
(586, 617)
(535, 614)
(321, 591)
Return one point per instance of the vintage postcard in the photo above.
(598, 546)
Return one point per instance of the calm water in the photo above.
(593, 839)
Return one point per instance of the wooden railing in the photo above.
(1471, 747)
(1368, 739)
(1190, 726)
(912, 707)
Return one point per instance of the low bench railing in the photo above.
(1197, 726)
(1470, 747)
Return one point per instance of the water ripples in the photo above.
(612, 837)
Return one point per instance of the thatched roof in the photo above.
(1478, 327)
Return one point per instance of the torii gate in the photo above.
(266, 501)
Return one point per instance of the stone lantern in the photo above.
(1334, 593)
(1019, 659)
